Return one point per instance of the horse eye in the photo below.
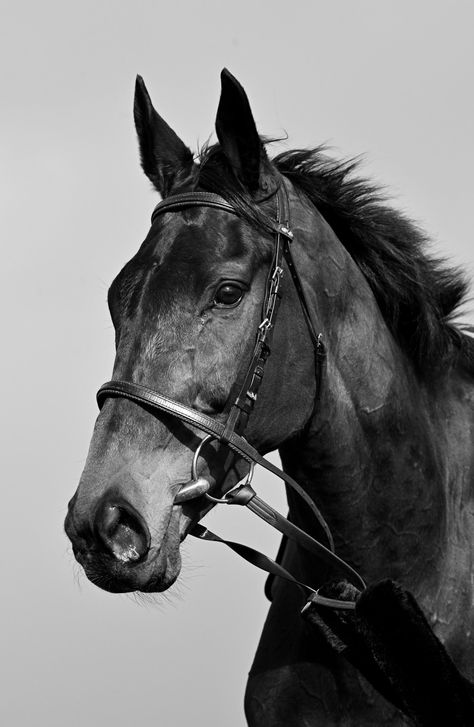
(228, 294)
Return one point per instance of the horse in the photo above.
(377, 431)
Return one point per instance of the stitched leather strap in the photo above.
(247, 396)
(150, 398)
(192, 199)
(199, 199)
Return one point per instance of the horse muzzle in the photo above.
(115, 549)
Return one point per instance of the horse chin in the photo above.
(156, 573)
(153, 576)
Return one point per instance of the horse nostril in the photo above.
(122, 531)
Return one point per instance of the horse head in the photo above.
(380, 436)
(186, 311)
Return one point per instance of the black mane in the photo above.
(418, 295)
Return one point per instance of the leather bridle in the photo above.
(230, 433)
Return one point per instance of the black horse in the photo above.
(379, 435)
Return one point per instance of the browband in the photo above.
(185, 200)
(192, 199)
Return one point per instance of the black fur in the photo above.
(164, 157)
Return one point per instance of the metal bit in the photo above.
(194, 488)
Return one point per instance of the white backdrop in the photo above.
(393, 79)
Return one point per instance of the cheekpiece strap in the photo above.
(247, 395)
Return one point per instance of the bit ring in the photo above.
(246, 480)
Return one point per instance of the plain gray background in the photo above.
(393, 79)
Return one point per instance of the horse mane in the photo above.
(418, 295)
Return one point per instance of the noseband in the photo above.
(230, 432)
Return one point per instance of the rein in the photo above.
(231, 432)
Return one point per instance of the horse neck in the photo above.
(370, 456)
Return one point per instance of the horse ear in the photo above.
(237, 132)
(165, 158)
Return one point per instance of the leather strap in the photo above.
(191, 199)
(149, 398)
(244, 403)
(246, 495)
(198, 199)
(259, 560)
(315, 338)
(292, 531)
(249, 554)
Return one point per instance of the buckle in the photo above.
(284, 230)
(240, 494)
(277, 273)
(265, 325)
